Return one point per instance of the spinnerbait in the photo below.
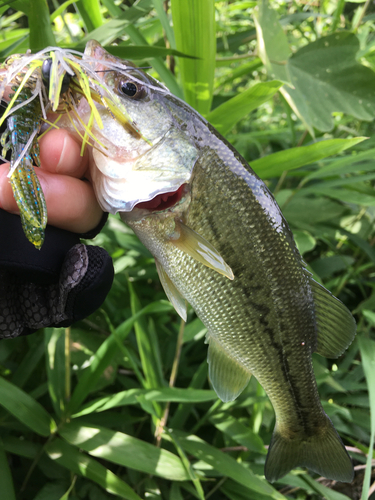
(53, 79)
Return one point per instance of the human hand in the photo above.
(65, 280)
(71, 202)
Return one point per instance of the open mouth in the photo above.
(163, 201)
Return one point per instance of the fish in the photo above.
(221, 244)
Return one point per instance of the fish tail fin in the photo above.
(324, 453)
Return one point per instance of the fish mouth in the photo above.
(163, 201)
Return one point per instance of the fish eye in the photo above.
(132, 89)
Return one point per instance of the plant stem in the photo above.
(172, 380)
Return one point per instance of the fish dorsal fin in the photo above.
(200, 249)
(336, 325)
(174, 296)
(227, 376)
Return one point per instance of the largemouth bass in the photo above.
(221, 243)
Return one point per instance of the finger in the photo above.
(60, 153)
(71, 202)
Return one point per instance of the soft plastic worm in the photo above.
(21, 126)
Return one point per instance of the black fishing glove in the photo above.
(62, 283)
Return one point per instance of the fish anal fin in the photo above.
(174, 296)
(200, 249)
(323, 453)
(336, 325)
(227, 376)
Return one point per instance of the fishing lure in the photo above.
(55, 80)
(21, 137)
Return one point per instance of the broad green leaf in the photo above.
(306, 212)
(25, 408)
(105, 353)
(238, 432)
(327, 493)
(7, 488)
(304, 241)
(132, 396)
(68, 456)
(327, 266)
(224, 117)
(226, 465)
(324, 75)
(125, 450)
(195, 33)
(275, 164)
(273, 44)
(328, 78)
(41, 34)
(367, 348)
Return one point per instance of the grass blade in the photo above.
(195, 33)
(224, 117)
(161, 395)
(367, 349)
(55, 360)
(163, 18)
(149, 351)
(90, 13)
(125, 450)
(274, 165)
(238, 432)
(68, 456)
(7, 489)
(25, 408)
(41, 34)
(225, 464)
(105, 353)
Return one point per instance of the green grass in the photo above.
(119, 405)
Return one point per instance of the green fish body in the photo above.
(221, 242)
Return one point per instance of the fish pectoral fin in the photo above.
(227, 376)
(323, 452)
(200, 249)
(336, 325)
(174, 296)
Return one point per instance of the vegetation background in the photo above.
(120, 404)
